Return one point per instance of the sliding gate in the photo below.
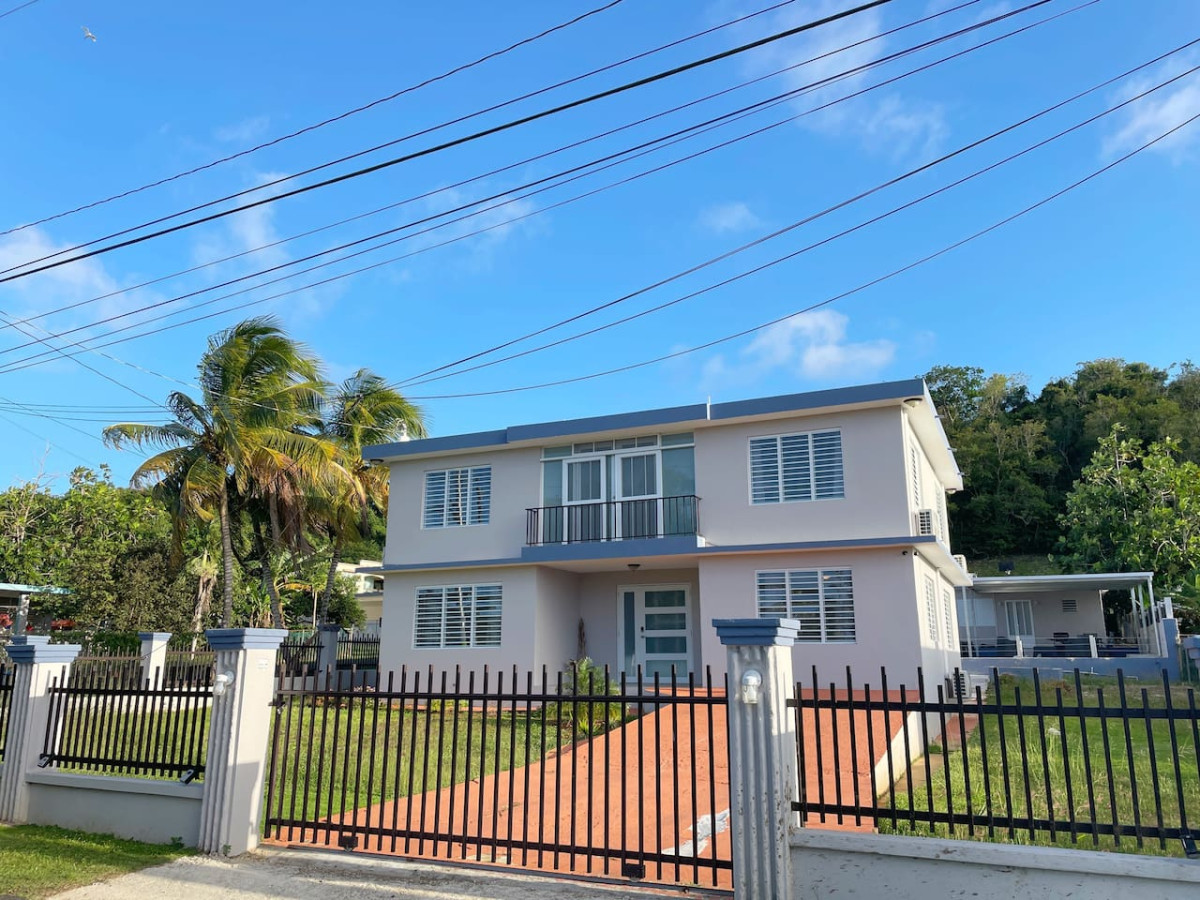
(580, 773)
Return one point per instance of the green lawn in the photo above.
(1072, 777)
(163, 734)
(333, 760)
(37, 861)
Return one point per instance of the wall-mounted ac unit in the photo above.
(962, 561)
(924, 521)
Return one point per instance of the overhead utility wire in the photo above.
(8, 274)
(414, 380)
(511, 198)
(862, 287)
(317, 125)
(578, 143)
(8, 13)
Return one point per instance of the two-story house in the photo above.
(622, 537)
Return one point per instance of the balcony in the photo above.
(613, 520)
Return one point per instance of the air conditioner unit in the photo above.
(962, 562)
(924, 521)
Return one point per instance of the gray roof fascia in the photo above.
(912, 388)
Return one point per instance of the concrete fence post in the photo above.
(38, 662)
(1020, 645)
(154, 654)
(762, 753)
(1093, 649)
(239, 726)
(328, 658)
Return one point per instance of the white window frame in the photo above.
(472, 473)
(931, 612)
(492, 593)
(822, 576)
(948, 615)
(812, 466)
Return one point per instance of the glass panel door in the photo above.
(583, 494)
(664, 638)
(639, 515)
(1019, 618)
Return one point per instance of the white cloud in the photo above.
(245, 131)
(1157, 113)
(890, 124)
(812, 346)
(728, 217)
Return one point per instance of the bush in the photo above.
(583, 678)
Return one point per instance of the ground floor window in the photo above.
(822, 600)
(461, 615)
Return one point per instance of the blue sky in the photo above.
(1107, 270)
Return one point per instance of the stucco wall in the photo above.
(885, 601)
(557, 623)
(134, 808)
(869, 866)
(873, 459)
(940, 656)
(1048, 615)
(517, 632)
(516, 485)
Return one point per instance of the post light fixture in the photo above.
(751, 682)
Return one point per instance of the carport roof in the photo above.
(1025, 584)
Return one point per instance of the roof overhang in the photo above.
(11, 590)
(910, 392)
(1032, 584)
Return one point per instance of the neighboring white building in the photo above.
(624, 536)
(368, 588)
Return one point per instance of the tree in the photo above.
(1136, 509)
(246, 437)
(363, 411)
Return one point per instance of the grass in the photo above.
(1071, 778)
(332, 760)
(159, 735)
(37, 861)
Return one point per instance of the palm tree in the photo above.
(248, 435)
(362, 412)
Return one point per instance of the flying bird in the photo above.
(87, 33)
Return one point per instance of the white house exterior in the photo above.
(368, 589)
(622, 537)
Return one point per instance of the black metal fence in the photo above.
(1104, 762)
(577, 773)
(613, 520)
(101, 724)
(299, 654)
(8, 676)
(358, 651)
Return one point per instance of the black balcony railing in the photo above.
(613, 520)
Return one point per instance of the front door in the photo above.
(657, 630)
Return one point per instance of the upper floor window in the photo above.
(821, 599)
(789, 467)
(461, 615)
(458, 497)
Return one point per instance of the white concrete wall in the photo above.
(556, 637)
(516, 485)
(929, 488)
(885, 602)
(134, 808)
(1048, 615)
(841, 865)
(875, 504)
(517, 632)
(939, 656)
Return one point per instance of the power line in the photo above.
(317, 125)
(5, 15)
(862, 287)
(445, 145)
(508, 196)
(540, 156)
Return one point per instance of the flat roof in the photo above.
(1029, 584)
(693, 416)
(9, 589)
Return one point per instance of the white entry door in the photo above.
(658, 630)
